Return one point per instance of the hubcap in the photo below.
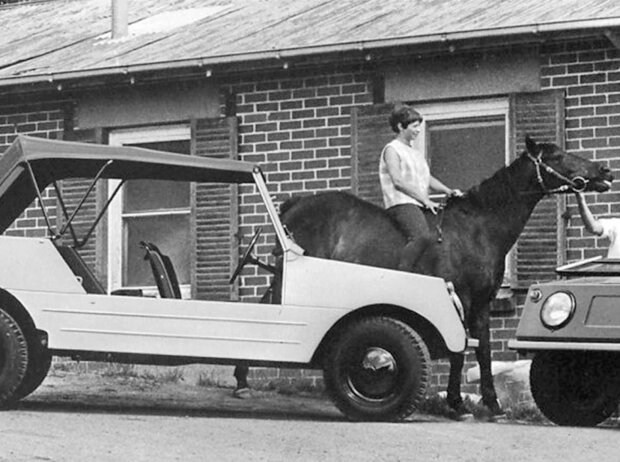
(374, 378)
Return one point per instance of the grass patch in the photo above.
(437, 405)
(119, 371)
(293, 387)
(527, 412)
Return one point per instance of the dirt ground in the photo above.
(118, 415)
(105, 390)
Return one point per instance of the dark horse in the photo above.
(478, 230)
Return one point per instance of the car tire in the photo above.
(575, 388)
(39, 363)
(377, 369)
(13, 357)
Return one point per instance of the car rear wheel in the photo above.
(13, 357)
(377, 369)
(575, 388)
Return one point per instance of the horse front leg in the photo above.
(481, 330)
(454, 398)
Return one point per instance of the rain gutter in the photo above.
(360, 46)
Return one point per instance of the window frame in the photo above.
(120, 137)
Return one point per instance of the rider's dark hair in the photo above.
(404, 115)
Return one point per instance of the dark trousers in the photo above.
(412, 223)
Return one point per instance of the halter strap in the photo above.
(577, 184)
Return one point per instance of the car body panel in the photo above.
(287, 332)
(360, 286)
(595, 323)
(35, 265)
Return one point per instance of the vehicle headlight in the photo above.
(557, 310)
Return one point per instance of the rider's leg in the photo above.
(413, 224)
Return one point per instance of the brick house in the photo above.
(304, 89)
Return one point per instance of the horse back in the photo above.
(341, 226)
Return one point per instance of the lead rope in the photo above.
(439, 223)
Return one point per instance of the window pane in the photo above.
(462, 153)
(146, 195)
(170, 233)
(179, 146)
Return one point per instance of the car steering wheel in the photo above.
(247, 255)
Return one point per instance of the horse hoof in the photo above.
(496, 413)
(242, 393)
(460, 413)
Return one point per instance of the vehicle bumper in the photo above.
(532, 345)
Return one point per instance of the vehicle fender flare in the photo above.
(12, 306)
(429, 333)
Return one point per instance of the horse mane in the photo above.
(495, 191)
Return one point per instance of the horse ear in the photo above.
(530, 145)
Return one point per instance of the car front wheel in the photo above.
(39, 363)
(13, 357)
(377, 369)
(575, 388)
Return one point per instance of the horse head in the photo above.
(560, 171)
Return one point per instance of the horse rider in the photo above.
(406, 182)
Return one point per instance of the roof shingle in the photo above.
(70, 36)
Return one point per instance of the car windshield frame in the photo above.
(596, 266)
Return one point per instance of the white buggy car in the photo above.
(372, 331)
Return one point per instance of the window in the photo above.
(151, 211)
(465, 142)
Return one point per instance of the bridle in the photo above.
(577, 184)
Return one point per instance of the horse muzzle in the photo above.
(599, 184)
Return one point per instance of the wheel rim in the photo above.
(374, 375)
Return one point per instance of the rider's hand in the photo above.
(456, 193)
(431, 206)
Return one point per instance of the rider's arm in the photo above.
(392, 162)
(439, 187)
(592, 224)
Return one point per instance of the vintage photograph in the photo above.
(318, 230)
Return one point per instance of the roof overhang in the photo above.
(358, 51)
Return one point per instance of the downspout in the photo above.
(120, 19)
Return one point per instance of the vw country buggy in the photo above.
(372, 331)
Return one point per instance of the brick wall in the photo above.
(298, 129)
(590, 74)
(45, 120)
